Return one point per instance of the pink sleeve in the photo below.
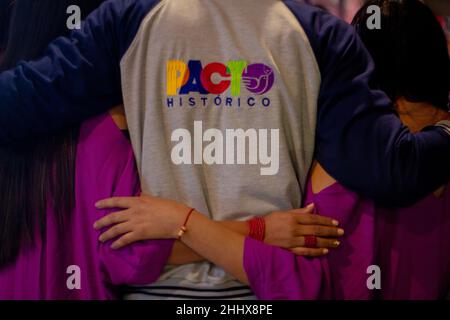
(137, 264)
(276, 273)
(140, 263)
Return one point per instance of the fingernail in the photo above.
(336, 243)
(95, 225)
(97, 205)
(325, 251)
(341, 232)
(100, 239)
(335, 222)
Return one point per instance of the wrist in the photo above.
(182, 225)
(257, 228)
(241, 227)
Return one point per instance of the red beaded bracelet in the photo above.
(257, 226)
(183, 228)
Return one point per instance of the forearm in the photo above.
(147, 218)
(240, 227)
(217, 244)
(225, 248)
(182, 254)
(77, 78)
(393, 169)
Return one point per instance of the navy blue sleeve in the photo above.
(76, 78)
(360, 139)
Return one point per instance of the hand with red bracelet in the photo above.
(290, 229)
(141, 218)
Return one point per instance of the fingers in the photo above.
(309, 252)
(125, 240)
(315, 219)
(327, 243)
(113, 218)
(321, 243)
(305, 216)
(115, 231)
(116, 202)
(319, 231)
(308, 209)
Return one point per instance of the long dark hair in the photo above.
(5, 13)
(410, 51)
(36, 176)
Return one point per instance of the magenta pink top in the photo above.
(414, 249)
(105, 167)
(275, 273)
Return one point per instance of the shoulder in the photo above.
(101, 141)
(320, 179)
(122, 18)
(105, 163)
(327, 34)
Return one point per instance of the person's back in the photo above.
(413, 245)
(69, 263)
(225, 114)
(43, 270)
(413, 67)
(49, 247)
(275, 273)
(345, 269)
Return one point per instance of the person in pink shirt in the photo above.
(412, 64)
(42, 269)
(51, 184)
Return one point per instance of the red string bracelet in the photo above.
(183, 228)
(257, 226)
